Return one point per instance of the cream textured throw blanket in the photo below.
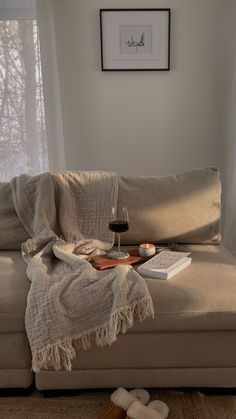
(70, 304)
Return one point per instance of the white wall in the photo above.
(142, 123)
(229, 125)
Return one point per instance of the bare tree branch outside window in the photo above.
(23, 146)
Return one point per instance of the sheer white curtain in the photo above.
(31, 134)
(229, 231)
(53, 112)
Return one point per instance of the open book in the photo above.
(165, 264)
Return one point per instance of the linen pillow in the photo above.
(183, 208)
(12, 232)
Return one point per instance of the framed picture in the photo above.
(135, 39)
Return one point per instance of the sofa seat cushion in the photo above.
(201, 297)
(165, 350)
(14, 351)
(14, 288)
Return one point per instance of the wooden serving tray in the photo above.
(102, 262)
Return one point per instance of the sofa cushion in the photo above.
(201, 297)
(12, 231)
(14, 288)
(14, 351)
(130, 351)
(183, 208)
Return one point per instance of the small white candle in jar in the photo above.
(147, 249)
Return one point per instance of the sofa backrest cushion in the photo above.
(12, 232)
(170, 209)
(184, 208)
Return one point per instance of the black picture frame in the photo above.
(111, 36)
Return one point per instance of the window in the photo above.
(31, 129)
(23, 146)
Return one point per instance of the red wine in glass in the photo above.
(119, 226)
(119, 223)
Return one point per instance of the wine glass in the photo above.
(119, 223)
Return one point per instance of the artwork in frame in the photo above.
(135, 39)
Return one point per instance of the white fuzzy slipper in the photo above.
(161, 407)
(154, 410)
(124, 398)
(121, 400)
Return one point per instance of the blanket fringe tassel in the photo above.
(59, 356)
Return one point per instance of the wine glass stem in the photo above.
(118, 237)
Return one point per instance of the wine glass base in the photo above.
(114, 254)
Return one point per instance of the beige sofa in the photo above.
(191, 341)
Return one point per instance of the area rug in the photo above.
(87, 404)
